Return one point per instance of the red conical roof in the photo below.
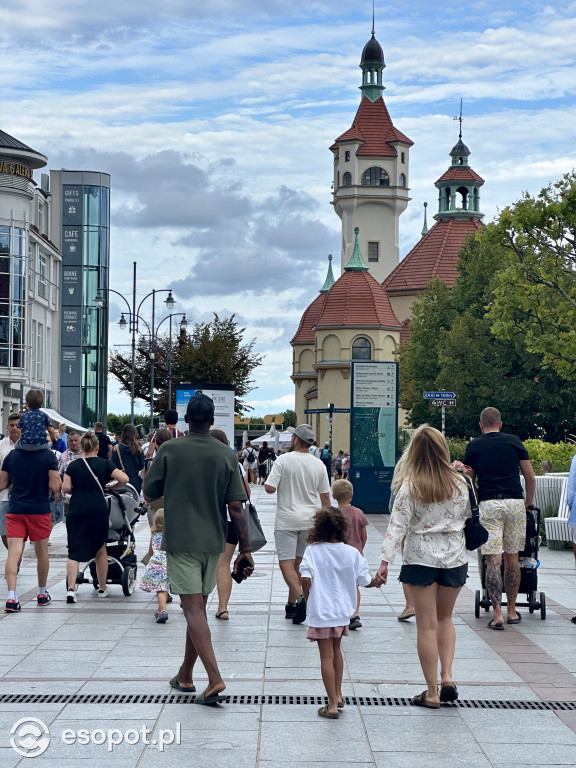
(357, 299)
(373, 126)
(435, 255)
(305, 332)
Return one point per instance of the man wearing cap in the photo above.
(198, 478)
(299, 477)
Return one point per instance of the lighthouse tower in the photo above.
(371, 173)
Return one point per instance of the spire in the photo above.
(329, 282)
(372, 65)
(356, 263)
(425, 227)
(459, 187)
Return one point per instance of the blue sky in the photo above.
(215, 119)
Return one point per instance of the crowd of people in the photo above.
(196, 489)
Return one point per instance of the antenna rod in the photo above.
(373, 1)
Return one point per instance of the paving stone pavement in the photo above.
(113, 647)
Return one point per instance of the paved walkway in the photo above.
(82, 667)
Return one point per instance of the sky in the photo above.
(215, 119)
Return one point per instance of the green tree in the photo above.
(222, 358)
(289, 418)
(452, 348)
(536, 291)
(115, 422)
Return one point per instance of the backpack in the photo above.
(325, 453)
(251, 457)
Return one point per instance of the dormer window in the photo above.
(375, 177)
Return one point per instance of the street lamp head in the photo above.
(122, 322)
(183, 323)
(170, 302)
(196, 342)
(99, 299)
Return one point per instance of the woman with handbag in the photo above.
(87, 518)
(429, 514)
(224, 571)
(128, 456)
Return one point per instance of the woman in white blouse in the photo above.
(429, 513)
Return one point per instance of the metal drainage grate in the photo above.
(178, 698)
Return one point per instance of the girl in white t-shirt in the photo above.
(331, 570)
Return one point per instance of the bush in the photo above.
(457, 446)
(560, 454)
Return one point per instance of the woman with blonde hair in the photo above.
(429, 514)
(87, 518)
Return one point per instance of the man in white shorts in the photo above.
(299, 477)
(496, 460)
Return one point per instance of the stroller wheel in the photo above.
(128, 581)
(542, 606)
(477, 604)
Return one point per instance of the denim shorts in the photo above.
(424, 576)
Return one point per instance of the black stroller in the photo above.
(528, 570)
(124, 509)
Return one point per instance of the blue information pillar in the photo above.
(373, 433)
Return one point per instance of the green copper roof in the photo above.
(356, 263)
(425, 227)
(329, 282)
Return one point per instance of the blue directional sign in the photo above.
(438, 395)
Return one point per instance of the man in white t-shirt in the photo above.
(299, 477)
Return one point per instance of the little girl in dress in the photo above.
(155, 577)
(331, 571)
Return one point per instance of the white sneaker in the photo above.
(107, 592)
(71, 596)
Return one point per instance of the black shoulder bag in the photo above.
(474, 531)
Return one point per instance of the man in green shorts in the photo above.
(198, 477)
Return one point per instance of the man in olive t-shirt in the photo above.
(198, 478)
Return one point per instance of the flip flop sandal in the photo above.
(222, 617)
(448, 692)
(491, 625)
(405, 615)
(323, 712)
(203, 699)
(514, 621)
(184, 688)
(340, 704)
(421, 701)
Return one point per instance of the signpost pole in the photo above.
(330, 417)
(443, 421)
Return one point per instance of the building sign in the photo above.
(16, 169)
(223, 397)
(71, 286)
(373, 432)
(72, 245)
(69, 366)
(72, 204)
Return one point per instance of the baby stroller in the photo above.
(528, 570)
(124, 509)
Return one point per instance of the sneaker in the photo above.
(12, 606)
(169, 598)
(355, 623)
(104, 593)
(161, 617)
(44, 599)
(299, 611)
(290, 610)
(71, 596)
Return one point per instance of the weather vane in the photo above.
(459, 118)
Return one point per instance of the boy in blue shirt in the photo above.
(34, 423)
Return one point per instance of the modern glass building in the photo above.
(82, 209)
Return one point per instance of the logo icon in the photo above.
(30, 737)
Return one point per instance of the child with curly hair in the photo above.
(331, 571)
(155, 576)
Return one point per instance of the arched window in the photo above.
(361, 349)
(347, 179)
(375, 177)
(402, 180)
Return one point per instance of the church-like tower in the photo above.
(371, 173)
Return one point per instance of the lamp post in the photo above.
(183, 326)
(133, 318)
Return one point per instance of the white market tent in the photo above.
(59, 419)
(270, 438)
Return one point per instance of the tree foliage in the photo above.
(222, 358)
(536, 291)
(452, 348)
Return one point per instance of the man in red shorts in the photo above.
(31, 477)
